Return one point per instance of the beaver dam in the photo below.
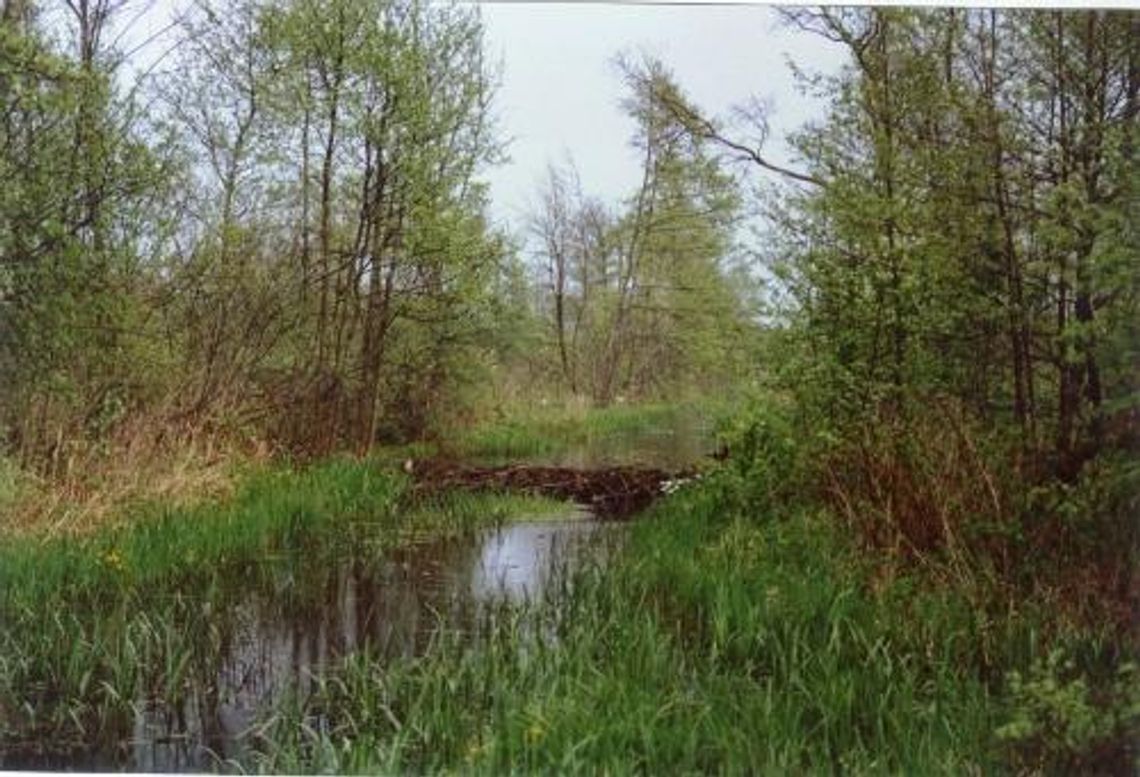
(608, 492)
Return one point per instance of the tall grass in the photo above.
(93, 625)
(744, 628)
(714, 646)
(723, 640)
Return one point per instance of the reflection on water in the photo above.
(393, 608)
(518, 561)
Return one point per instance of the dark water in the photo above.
(393, 607)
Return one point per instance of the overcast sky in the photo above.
(560, 91)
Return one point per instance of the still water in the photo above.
(393, 608)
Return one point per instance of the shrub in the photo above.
(1057, 721)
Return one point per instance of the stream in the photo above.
(393, 607)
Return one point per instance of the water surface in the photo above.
(393, 606)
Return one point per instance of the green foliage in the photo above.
(956, 254)
(647, 302)
(78, 213)
(766, 465)
(726, 637)
(532, 432)
(740, 627)
(1098, 508)
(91, 625)
(295, 234)
(1057, 721)
(300, 250)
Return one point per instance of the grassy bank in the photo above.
(536, 431)
(754, 651)
(106, 486)
(744, 629)
(112, 486)
(745, 626)
(92, 624)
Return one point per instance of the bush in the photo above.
(1057, 720)
(766, 462)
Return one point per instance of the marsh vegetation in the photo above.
(252, 298)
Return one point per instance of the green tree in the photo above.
(959, 206)
(77, 223)
(349, 252)
(643, 302)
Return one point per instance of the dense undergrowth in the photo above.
(718, 646)
(893, 604)
(749, 626)
(107, 487)
(540, 431)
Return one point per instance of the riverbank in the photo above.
(665, 433)
(142, 612)
(733, 634)
(740, 625)
(109, 490)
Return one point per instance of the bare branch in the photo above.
(703, 128)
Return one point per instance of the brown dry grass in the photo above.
(914, 488)
(929, 493)
(91, 486)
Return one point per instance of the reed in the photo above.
(96, 624)
(741, 627)
(716, 642)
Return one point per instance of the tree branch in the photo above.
(702, 128)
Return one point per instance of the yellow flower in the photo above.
(112, 559)
(535, 732)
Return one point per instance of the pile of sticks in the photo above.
(611, 492)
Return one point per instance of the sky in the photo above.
(560, 91)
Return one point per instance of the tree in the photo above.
(640, 300)
(343, 141)
(960, 201)
(79, 183)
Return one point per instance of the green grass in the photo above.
(539, 431)
(723, 640)
(750, 653)
(738, 630)
(93, 624)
